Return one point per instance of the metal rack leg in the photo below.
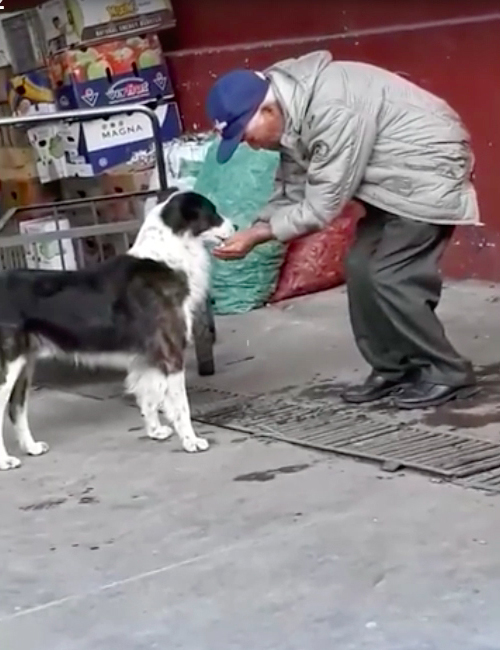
(204, 339)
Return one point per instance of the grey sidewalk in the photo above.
(114, 542)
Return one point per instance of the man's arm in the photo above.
(341, 145)
(289, 184)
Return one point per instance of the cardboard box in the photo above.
(57, 26)
(24, 192)
(48, 255)
(31, 93)
(123, 209)
(119, 72)
(127, 140)
(55, 145)
(5, 58)
(24, 40)
(108, 183)
(123, 183)
(81, 188)
(11, 136)
(16, 163)
(96, 20)
(6, 74)
(117, 208)
(16, 155)
(16, 166)
(56, 152)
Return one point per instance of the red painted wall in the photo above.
(450, 47)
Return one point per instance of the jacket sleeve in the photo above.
(289, 185)
(340, 146)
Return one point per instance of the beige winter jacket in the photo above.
(357, 131)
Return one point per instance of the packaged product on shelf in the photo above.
(57, 25)
(5, 58)
(31, 93)
(127, 139)
(55, 145)
(23, 34)
(48, 255)
(56, 149)
(25, 191)
(77, 22)
(119, 72)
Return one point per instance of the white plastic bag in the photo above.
(184, 158)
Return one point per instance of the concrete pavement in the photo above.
(113, 542)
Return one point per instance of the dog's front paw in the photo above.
(161, 433)
(37, 449)
(9, 462)
(192, 445)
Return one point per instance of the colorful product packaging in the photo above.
(120, 72)
(75, 22)
(127, 139)
(31, 94)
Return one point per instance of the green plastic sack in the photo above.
(240, 189)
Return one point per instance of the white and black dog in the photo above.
(134, 312)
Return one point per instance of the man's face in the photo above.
(265, 129)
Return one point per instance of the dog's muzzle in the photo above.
(222, 232)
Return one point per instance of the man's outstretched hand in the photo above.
(238, 246)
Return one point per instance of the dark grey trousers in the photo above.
(394, 286)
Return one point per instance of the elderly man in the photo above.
(349, 130)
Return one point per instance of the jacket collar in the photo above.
(285, 91)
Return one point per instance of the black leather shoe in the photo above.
(375, 387)
(425, 395)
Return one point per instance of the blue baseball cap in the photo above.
(231, 103)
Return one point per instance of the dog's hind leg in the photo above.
(18, 412)
(11, 371)
(176, 406)
(148, 386)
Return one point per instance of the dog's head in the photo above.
(192, 215)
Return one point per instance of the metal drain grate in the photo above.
(488, 480)
(201, 397)
(339, 429)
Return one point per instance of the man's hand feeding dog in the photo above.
(134, 312)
